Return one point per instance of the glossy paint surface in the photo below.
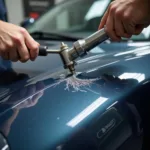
(43, 109)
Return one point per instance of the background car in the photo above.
(78, 18)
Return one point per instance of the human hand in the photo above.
(125, 18)
(16, 43)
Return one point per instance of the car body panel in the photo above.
(44, 109)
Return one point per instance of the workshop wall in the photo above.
(18, 10)
(14, 11)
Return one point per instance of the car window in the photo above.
(70, 16)
(97, 9)
(78, 18)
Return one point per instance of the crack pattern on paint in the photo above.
(75, 83)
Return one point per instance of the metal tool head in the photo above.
(79, 49)
(65, 56)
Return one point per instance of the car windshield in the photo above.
(77, 18)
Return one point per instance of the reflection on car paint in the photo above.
(4, 145)
(112, 105)
(102, 66)
(132, 58)
(138, 51)
(93, 61)
(76, 84)
(118, 79)
(87, 111)
(138, 76)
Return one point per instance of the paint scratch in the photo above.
(76, 84)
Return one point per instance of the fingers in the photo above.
(110, 28)
(13, 55)
(5, 55)
(29, 48)
(109, 20)
(23, 52)
(139, 29)
(134, 30)
(119, 28)
(119, 22)
(32, 45)
(104, 19)
(129, 28)
(26, 47)
(16, 43)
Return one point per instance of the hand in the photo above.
(125, 18)
(16, 43)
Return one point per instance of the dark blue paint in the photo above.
(41, 120)
(2, 11)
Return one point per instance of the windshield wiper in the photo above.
(39, 35)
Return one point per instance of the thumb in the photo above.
(103, 20)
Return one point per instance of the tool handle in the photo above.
(43, 50)
(95, 39)
(81, 47)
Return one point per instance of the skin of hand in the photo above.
(16, 43)
(125, 18)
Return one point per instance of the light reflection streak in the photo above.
(146, 52)
(112, 105)
(93, 61)
(138, 44)
(132, 58)
(146, 82)
(138, 76)
(135, 51)
(5, 147)
(88, 89)
(102, 66)
(90, 58)
(87, 111)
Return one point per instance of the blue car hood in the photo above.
(42, 108)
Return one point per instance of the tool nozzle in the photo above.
(79, 49)
(72, 69)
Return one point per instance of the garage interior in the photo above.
(88, 93)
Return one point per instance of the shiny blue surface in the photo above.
(42, 109)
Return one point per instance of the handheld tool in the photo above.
(79, 49)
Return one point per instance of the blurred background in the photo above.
(75, 18)
(18, 10)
